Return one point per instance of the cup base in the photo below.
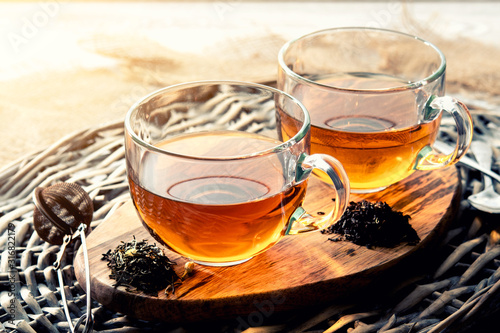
(221, 264)
(367, 190)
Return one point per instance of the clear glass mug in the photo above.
(375, 98)
(218, 169)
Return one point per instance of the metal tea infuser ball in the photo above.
(63, 212)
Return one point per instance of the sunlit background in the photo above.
(53, 34)
(65, 65)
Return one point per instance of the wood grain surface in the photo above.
(300, 271)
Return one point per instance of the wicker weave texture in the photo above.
(460, 292)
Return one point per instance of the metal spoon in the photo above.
(487, 200)
(465, 161)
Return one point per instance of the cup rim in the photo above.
(300, 135)
(410, 86)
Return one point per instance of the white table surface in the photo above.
(45, 34)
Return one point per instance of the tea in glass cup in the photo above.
(375, 98)
(218, 169)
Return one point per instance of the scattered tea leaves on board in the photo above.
(141, 266)
(373, 224)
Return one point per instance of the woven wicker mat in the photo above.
(459, 289)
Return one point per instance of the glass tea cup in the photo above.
(218, 176)
(375, 98)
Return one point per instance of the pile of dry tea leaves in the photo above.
(140, 266)
(373, 224)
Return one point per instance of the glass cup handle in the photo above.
(336, 177)
(429, 158)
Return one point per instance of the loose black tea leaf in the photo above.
(373, 224)
(141, 266)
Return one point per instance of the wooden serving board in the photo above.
(299, 271)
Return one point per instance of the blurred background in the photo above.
(69, 65)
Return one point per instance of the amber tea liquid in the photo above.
(369, 133)
(213, 213)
